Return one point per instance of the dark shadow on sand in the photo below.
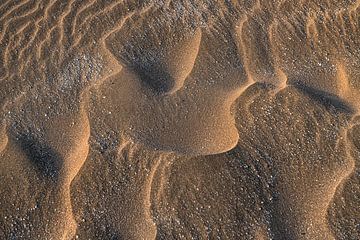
(330, 101)
(45, 159)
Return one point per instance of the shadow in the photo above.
(155, 78)
(324, 98)
(46, 160)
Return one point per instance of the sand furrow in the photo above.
(40, 51)
(17, 21)
(79, 14)
(57, 27)
(27, 46)
(91, 9)
(18, 39)
(5, 3)
(42, 25)
(10, 24)
(95, 31)
(68, 22)
(12, 12)
(67, 11)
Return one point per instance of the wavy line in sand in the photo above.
(40, 47)
(50, 19)
(147, 196)
(56, 26)
(18, 16)
(35, 35)
(95, 30)
(17, 21)
(64, 15)
(131, 213)
(82, 10)
(12, 11)
(90, 12)
(77, 8)
(5, 3)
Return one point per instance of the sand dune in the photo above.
(179, 119)
(161, 65)
(297, 174)
(49, 162)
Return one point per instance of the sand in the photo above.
(179, 119)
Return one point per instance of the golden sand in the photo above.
(179, 119)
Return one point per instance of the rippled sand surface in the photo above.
(179, 119)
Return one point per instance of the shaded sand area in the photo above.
(179, 119)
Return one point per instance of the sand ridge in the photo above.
(179, 119)
(64, 152)
(303, 207)
(4, 139)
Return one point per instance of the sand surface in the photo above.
(180, 119)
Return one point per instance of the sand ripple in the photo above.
(179, 119)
